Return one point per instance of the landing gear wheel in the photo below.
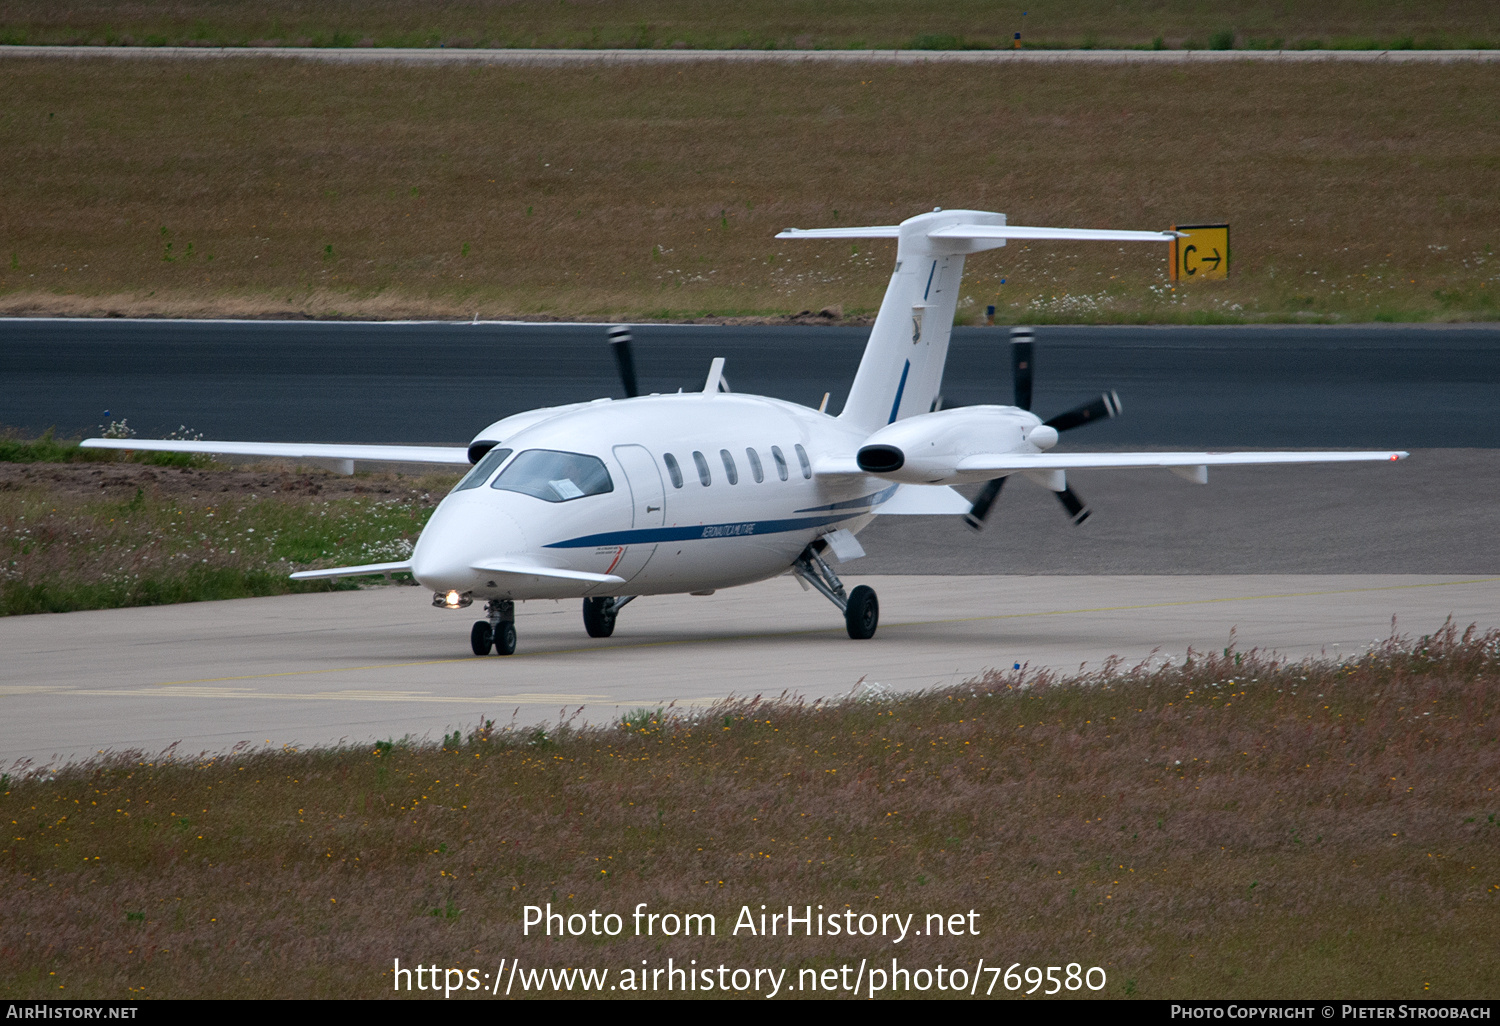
(481, 638)
(505, 639)
(599, 617)
(862, 614)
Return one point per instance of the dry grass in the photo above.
(779, 24)
(1235, 827)
(105, 534)
(1356, 193)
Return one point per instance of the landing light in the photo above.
(452, 600)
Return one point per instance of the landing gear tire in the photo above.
(862, 615)
(598, 617)
(481, 638)
(505, 638)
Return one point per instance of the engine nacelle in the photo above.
(926, 449)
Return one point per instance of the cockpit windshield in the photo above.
(555, 476)
(483, 469)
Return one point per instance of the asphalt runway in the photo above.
(1303, 560)
(1437, 512)
(1381, 386)
(382, 663)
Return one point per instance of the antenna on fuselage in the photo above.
(716, 382)
(619, 344)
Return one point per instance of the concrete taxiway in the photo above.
(361, 666)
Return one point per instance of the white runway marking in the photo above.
(362, 666)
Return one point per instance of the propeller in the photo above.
(1022, 359)
(982, 503)
(619, 344)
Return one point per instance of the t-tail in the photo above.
(901, 373)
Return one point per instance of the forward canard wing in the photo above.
(366, 570)
(511, 568)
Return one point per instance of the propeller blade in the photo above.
(1077, 511)
(619, 343)
(1102, 408)
(982, 503)
(1021, 351)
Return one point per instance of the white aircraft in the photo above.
(691, 492)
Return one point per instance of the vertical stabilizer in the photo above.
(901, 373)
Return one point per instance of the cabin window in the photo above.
(802, 459)
(730, 470)
(483, 469)
(702, 465)
(755, 468)
(555, 476)
(673, 470)
(780, 462)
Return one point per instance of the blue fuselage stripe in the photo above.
(865, 500)
(899, 389)
(926, 292)
(698, 532)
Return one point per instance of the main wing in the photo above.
(983, 465)
(453, 455)
(987, 466)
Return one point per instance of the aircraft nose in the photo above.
(459, 535)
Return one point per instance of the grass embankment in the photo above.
(104, 533)
(857, 24)
(1355, 193)
(1233, 828)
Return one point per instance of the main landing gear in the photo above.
(599, 614)
(498, 632)
(860, 607)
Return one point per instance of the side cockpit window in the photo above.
(483, 469)
(802, 459)
(555, 476)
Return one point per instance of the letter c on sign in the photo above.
(1186, 251)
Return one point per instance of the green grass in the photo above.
(48, 449)
(1232, 827)
(131, 536)
(622, 193)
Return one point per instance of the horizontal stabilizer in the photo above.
(882, 231)
(1005, 463)
(1015, 231)
(454, 455)
(924, 500)
(509, 568)
(984, 231)
(367, 570)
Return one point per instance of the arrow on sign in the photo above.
(1189, 251)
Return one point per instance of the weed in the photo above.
(642, 719)
(1007, 794)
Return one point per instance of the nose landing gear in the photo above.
(498, 632)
